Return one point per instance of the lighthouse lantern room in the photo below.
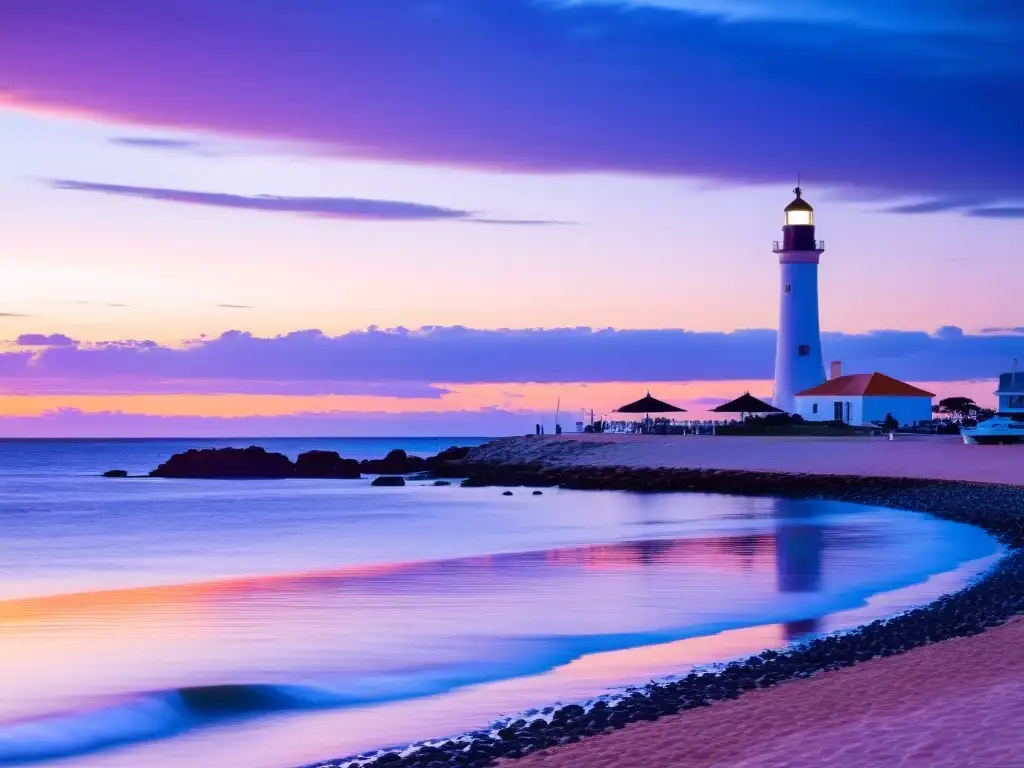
(798, 360)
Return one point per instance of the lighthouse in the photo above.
(798, 361)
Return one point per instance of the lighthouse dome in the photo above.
(799, 211)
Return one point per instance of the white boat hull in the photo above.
(1000, 430)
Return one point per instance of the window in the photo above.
(849, 413)
(814, 408)
(837, 411)
(799, 218)
(1016, 401)
(803, 350)
(788, 287)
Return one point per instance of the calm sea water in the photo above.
(264, 624)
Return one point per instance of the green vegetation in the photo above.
(962, 411)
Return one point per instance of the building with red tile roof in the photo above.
(862, 399)
(876, 384)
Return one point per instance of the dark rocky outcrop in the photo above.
(389, 481)
(116, 473)
(448, 455)
(326, 464)
(233, 463)
(255, 462)
(397, 462)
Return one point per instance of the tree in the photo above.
(890, 423)
(957, 408)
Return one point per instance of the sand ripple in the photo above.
(955, 703)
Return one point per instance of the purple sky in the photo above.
(213, 178)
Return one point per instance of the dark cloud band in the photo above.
(398, 362)
(914, 106)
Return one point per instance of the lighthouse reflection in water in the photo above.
(799, 550)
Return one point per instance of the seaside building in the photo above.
(862, 399)
(798, 361)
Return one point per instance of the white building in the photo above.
(798, 361)
(862, 399)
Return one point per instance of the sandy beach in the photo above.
(933, 457)
(955, 703)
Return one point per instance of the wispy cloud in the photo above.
(160, 143)
(933, 206)
(234, 306)
(969, 206)
(998, 212)
(45, 340)
(347, 208)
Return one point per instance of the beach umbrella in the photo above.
(648, 405)
(746, 403)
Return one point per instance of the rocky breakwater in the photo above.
(990, 602)
(255, 462)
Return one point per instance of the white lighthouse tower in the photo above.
(798, 362)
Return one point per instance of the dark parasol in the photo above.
(648, 405)
(746, 403)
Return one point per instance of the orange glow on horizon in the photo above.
(602, 397)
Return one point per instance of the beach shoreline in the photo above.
(948, 704)
(572, 737)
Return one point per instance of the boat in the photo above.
(1007, 426)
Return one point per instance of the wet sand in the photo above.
(955, 703)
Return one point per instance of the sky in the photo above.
(257, 217)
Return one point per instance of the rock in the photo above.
(116, 473)
(421, 476)
(441, 482)
(326, 464)
(210, 463)
(397, 462)
(507, 493)
(455, 453)
(538, 493)
(388, 481)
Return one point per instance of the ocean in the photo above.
(268, 624)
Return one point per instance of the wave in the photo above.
(156, 715)
(139, 717)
